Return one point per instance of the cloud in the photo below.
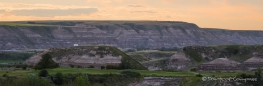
(54, 12)
(142, 12)
(136, 6)
(44, 10)
(2, 11)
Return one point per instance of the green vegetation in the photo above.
(43, 73)
(169, 49)
(139, 57)
(14, 56)
(191, 81)
(257, 75)
(25, 81)
(238, 53)
(154, 58)
(72, 76)
(46, 62)
(95, 71)
(127, 62)
(192, 52)
(104, 71)
(69, 79)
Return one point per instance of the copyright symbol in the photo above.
(204, 78)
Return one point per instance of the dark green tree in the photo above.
(258, 75)
(46, 62)
(91, 66)
(24, 67)
(43, 73)
(102, 67)
(59, 79)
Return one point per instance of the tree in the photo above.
(24, 67)
(46, 62)
(43, 73)
(131, 74)
(82, 81)
(71, 65)
(91, 66)
(259, 77)
(102, 67)
(5, 75)
(58, 79)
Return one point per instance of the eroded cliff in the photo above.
(122, 34)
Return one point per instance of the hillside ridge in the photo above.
(121, 34)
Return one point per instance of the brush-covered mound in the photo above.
(87, 56)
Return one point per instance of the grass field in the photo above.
(97, 71)
(225, 74)
(104, 71)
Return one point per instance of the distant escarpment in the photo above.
(121, 34)
(89, 56)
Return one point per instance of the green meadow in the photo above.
(95, 71)
(106, 71)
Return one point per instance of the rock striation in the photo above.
(121, 34)
(86, 56)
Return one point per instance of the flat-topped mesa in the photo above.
(84, 56)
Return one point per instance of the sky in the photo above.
(225, 14)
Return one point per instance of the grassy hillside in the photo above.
(238, 53)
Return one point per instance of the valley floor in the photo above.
(145, 73)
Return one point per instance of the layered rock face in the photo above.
(80, 56)
(179, 62)
(127, 34)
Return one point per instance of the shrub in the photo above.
(193, 70)
(131, 74)
(18, 66)
(82, 81)
(27, 81)
(5, 75)
(79, 66)
(43, 73)
(58, 79)
(111, 67)
(24, 67)
(71, 65)
(91, 66)
(199, 75)
(102, 67)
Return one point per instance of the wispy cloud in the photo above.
(142, 12)
(54, 12)
(2, 11)
(135, 5)
(48, 10)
